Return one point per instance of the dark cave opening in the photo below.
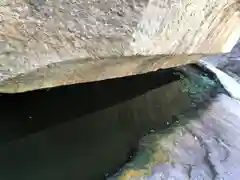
(84, 131)
(26, 113)
(32, 135)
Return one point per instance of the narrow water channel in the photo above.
(85, 131)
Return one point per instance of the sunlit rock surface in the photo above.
(80, 41)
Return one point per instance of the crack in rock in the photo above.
(189, 169)
(225, 147)
(206, 157)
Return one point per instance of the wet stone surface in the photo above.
(206, 148)
(228, 63)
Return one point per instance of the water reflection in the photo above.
(84, 131)
(26, 113)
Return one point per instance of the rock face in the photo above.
(55, 42)
(228, 63)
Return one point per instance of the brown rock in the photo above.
(58, 42)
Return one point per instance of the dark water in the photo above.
(84, 131)
(25, 113)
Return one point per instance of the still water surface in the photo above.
(84, 131)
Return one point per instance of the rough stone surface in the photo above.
(227, 68)
(230, 63)
(36, 33)
(205, 148)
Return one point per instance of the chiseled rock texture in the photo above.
(46, 43)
